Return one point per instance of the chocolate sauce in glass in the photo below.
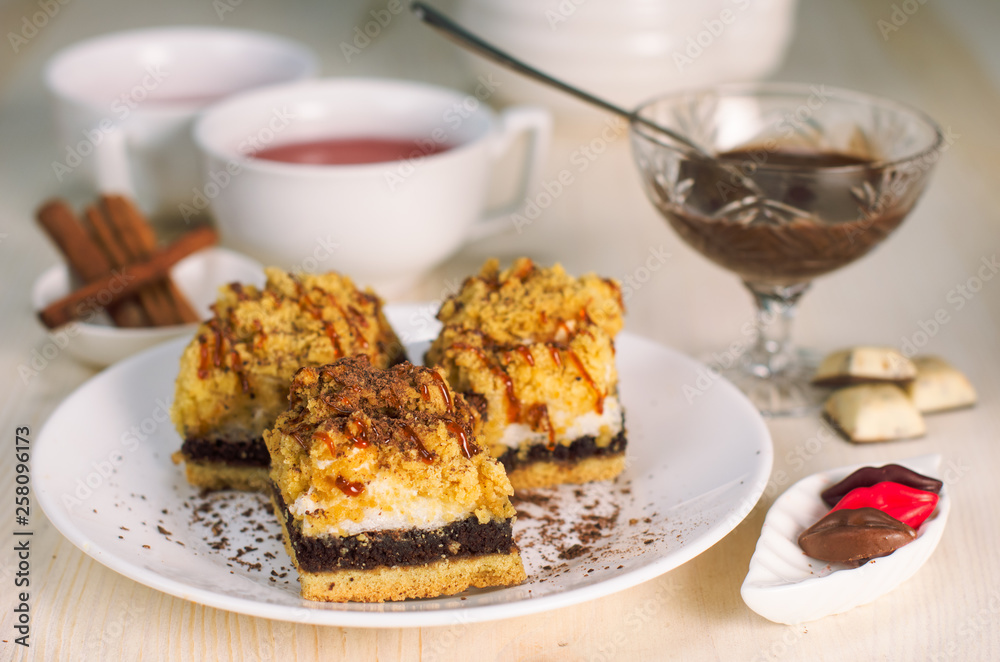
(820, 210)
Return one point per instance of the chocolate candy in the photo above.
(859, 365)
(869, 476)
(855, 536)
(907, 504)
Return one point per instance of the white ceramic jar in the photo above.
(628, 50)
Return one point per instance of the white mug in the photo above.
(125, 102)
(381, 223)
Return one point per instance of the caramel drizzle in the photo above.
(237, 289)
(525, 268)
(309, 306)
(261, 337)
(492, 281)
(339, 403)
(334, 337)
(556, 356)
(203, 358)
(538, 412)
(355, 331)
(425, 391)
(599, 405)
(443, 387)
(296, 429)
(296, 434)
(468, 449)
(425, 455)
(217, 332)
(617, 289)
(237, 364)
(359, 440)
(525, 353)
(216, 357)
(358, 316)
(513, 404)
(348, 488)
(276, 298)
(326, 439)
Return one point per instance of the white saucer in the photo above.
(99, 343)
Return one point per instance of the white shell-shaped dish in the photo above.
(786, 586)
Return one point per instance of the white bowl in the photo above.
(786, 586)
(100, 343)
(132, 97)
(628, 50)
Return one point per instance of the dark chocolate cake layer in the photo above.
(581, 449)
(397, 547)
(251, 453)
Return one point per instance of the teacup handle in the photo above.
(537, 123)
(112, 165)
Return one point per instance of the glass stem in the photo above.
(773, 352)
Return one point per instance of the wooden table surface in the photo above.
(944, 59)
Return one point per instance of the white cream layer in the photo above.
(401, 508)
(590, 424)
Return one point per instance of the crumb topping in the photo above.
(234, 375)
(533, 346)
(357, 441)
(525, 303)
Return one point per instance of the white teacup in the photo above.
(382, 223)
(125, 102)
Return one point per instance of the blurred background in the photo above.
(922, 53)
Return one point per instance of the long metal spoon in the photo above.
(456, 32)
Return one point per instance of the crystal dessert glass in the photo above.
(794, 182)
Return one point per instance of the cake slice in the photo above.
(235, 373)
(533, 349)
(383, 490)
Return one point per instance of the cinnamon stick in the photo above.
(119, 256)
(117, 284)
(140, 241)
(84, 257)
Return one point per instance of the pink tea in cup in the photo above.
(351, 151)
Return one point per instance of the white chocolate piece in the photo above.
(864, 364)
(939, 386)
(874, 412)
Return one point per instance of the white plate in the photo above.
(103, 475)
(786, 586)
(99, 343)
